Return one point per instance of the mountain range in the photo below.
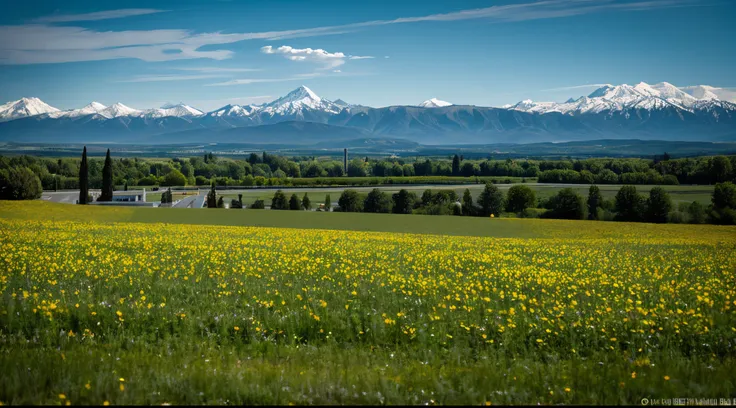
(647, 112)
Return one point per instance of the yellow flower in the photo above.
(666, 377)
(237, 328)
(62, 396)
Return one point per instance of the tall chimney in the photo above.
(345, 160)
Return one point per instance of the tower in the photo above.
(345, 160)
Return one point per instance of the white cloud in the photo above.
(43, 43)
(100, 15)
(320, 56)
(328, 60)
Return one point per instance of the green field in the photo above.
(124, 305)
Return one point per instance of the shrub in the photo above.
(350, 201)
(19, 184)
(174, 178)
(279, 202)
(520, 198)
(566, 204)
(629, 204)
(659, 205)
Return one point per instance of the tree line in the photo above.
(18, 173)
(269, 169)
(520, 201)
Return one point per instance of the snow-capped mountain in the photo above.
(234, 110)
(661, 111)
(619, 98)
(710, 92)
(179, 110)
(298, 103)
(90, 109)
(434, 103)
(24, 107)
(118, 109)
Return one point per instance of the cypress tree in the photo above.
(83, 179)
(595, 201)
(456, 165)
(106, 194)
(212, 197)
(328, 203)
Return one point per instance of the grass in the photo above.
(97, 307)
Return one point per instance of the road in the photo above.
(191, 202)
(66, 197)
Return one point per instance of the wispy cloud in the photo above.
(43, 43)
(570, 88)
(219, 70)
(328, 60)
(100, 15)
(162, 78)
(248, 81)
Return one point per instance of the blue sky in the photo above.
(377, 53)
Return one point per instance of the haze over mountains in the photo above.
(643, 111)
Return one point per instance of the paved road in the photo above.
(66, 197)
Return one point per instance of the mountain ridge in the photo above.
(641, 111)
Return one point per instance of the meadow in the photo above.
(97, 308)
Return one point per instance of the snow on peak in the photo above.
(118, 109)
(299, 94)
(179, 110)
(434, 103)
(705, 92)
(234, 110)
(646, 89)
(25, 107)
(91, 108)
(298, 100)
(617, 98)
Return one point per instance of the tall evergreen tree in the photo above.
(306, 203)
(658, 206)
(212, 197)
(294, 203)
(456, 165)
(491, 201)
(328, 203)
(595, 201)
(468, 206)
(106, 194)
(84, 179)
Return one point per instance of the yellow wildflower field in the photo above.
(176, 313)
